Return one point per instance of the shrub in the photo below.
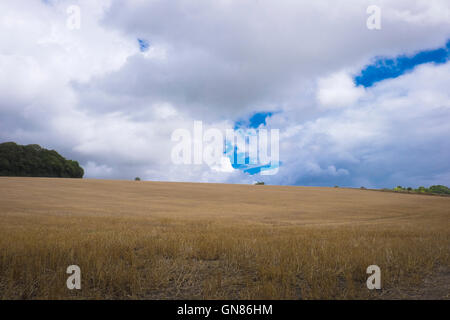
(137, 179)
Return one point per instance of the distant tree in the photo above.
(259, 183)
(34, 161)
(137, 179)
(422, 189)
(363, 188)
(409, 189)
(440, 189)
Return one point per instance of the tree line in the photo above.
(437, 189)
(34, 161)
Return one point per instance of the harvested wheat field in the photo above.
(155, 240)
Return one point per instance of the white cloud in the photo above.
(225, 166)
(338, 90)
(94, 170)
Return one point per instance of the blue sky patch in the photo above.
(143, 45)
(388, 68)
(240, 160)
(254, 121)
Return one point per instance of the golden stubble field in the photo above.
(155, 240)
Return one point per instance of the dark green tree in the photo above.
(34, 161)
(439, 189)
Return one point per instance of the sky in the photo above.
(354, 106)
